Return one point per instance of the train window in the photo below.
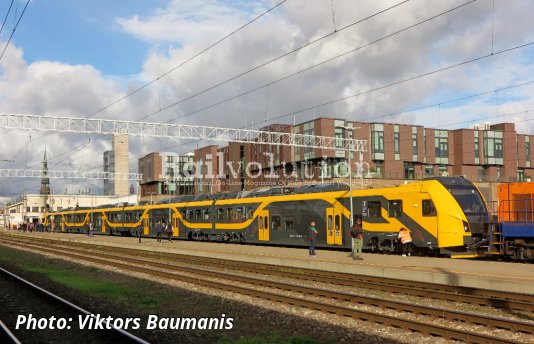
(248, 212)
(261, 222)
(428, 208)
(266, 222)
(232, 214)
(239, 213)
(374, 208)
(338, 222)
(206, 214)
(395, 208)
(275, 222)
(329, 223)
(289, 223)
(197, 214)
(220, 213)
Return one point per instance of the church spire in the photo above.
(45, 181)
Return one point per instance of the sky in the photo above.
(442, 64)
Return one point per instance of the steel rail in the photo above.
(317, 292)
(8, 334)
(474, 296)
(68, 304)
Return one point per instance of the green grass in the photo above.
(87, 280)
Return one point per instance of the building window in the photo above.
(377, 142)
(409, 170)
(477, 149)
(414, 144)
(527, 151)
(339, 138)
(520, 175)
(309, 152)
(396, 138)
(441, 145)
(493, 148)
(429, 171)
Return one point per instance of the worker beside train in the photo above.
(406, 241)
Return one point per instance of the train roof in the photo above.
(453, 181)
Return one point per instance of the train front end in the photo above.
(465, 225)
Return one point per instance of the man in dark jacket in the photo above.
(159, 230)
(356, 233)
(140, 231)
(312, 234)
(168, 231)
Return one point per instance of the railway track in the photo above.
(316, 298)
(20, 297)
(474, 296)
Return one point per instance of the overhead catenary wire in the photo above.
(14, 29)
(188, 60)
(263, 64)
(259, 66)
(178, 66)
(7, 15)
(442, 69)
(405, 80)
(353, 50)
(468, 61)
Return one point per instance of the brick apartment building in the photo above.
(492, 153)
(163, 175)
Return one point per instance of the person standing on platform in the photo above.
(91, 229)
(406, 241)
(159, 230)
(168, 231)
(356, 233)
(140, 231)
(312, 233)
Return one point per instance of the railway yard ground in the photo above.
(324, 299)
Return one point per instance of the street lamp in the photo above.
(322, 169)
(349, 149)
(168, 184)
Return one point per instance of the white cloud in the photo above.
(183, 28)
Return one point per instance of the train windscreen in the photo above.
(469, 200)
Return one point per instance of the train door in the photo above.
(97, 221)
(263, 225)
(334, 225)
(175, 224)
(146, 222)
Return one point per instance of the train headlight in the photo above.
(466, 226)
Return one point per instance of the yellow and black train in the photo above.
(446, 215)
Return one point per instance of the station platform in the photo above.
(493, 275)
